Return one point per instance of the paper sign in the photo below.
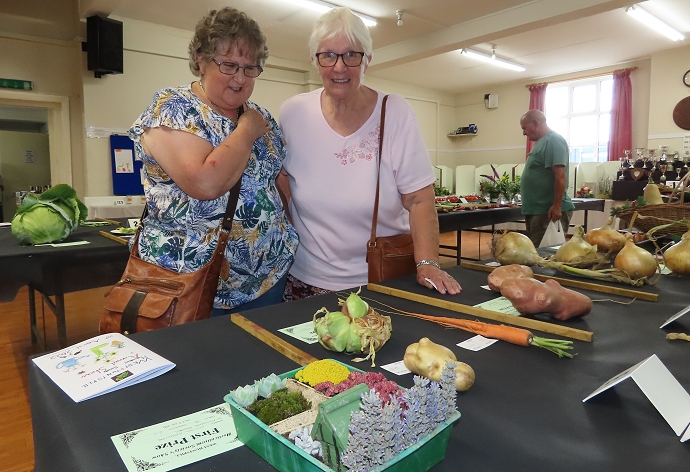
(463, 200)
(179, 442)
(493, 264)
(477, 343)
(661, 388)
(304, 332)
(29, 156)
(501, 305)
(486, 287)
(664, 270)
(124, 163)
(675, 317)
(398, 368)
(133, 222)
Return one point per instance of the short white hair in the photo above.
(337, 21)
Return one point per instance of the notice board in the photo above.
(128, 174)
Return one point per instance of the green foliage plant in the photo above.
(281, 405)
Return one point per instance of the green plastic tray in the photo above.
(286, 457)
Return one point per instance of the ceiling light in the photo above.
(653, 22)
(492, 59)
(323, 7)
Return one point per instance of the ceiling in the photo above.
(549, 37)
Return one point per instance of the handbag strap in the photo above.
(374, 219)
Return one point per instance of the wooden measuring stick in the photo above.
(528, 323)
(109, 221)
(624, 292)
(113, 237)
(283, 347)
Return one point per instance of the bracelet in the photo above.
(429, 262)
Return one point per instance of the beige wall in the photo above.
(18, 175)
(666, 90)
(499, 139)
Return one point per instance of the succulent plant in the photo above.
(245, 396)
(267, 385)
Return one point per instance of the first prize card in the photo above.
(179, 442)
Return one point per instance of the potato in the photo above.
(427, 359)
(530, 296)
(511, 271)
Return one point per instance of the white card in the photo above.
(486, 287)
(133, 222)
(493, 264)
(398, 368)
(463, 200)
(676, 316)
(661, 388)
(477, 343)
(124, 163)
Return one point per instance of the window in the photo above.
(580, 111)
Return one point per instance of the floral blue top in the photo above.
(180, 232)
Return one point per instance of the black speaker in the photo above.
(103, 46)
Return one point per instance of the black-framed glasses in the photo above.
(329, 59)
(230, 68)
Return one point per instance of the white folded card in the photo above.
(676, 316)
(661, 388)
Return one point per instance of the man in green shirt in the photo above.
(544, 180)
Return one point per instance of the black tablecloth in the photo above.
(524, 413)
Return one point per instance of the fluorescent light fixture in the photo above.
(323, 7)
(643, 16)
(492, 59)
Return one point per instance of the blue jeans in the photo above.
(272, 297)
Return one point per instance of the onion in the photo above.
(577, 249)
(635, 261)
(514, 248)
(606, 238)
(677, 257)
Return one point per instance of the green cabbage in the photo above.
(48, 217)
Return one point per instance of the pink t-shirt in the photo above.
(333, 185)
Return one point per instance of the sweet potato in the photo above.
(428, 359)
(530, 296)
(511, 271)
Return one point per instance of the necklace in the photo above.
(201, 86)
(215, 107)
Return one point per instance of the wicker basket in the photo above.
(649, 216)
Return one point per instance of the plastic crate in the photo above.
(286, 457)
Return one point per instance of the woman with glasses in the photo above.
(196, 142)
(330, 171)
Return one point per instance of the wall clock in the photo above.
(686, 79)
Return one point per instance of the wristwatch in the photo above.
(429, 262)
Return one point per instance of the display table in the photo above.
(470, 219)
(54, 271)
(524, 412)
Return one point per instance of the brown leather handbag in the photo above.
(150, 297)
(390, 256)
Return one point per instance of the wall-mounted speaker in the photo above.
(103, 46)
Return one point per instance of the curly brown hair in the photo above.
(227, 26)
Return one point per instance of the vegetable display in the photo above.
(677, 257)
(428, 359)
(48, 217)
(606, 239)
(356, 328)
(530, 296)
(505, 272)
(635, 261)
(577, 251)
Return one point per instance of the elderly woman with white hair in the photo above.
(330, 172)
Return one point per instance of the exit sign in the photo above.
(16, 84)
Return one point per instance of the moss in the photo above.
(281, 405)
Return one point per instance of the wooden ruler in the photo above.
(283, 347)
(117, 223)
(528, 323)
(624, 292)
(113, 237)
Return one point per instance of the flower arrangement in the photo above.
(604, 187)
(585, 192)
(495, 185)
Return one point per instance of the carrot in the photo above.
(511, 334)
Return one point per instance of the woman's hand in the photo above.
(253, 124)
(432, 277)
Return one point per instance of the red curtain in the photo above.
(537, 101)
(621, 115)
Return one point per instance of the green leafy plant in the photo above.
(604, 187)
(441, 191)
(495, 185)
(48, 217)
(281, 405)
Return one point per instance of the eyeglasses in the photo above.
(230, 68)
(329, 59)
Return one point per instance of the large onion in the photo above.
(577, 249)
(514, 248)
(606, 239)
(677, 257)
(635, 261)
